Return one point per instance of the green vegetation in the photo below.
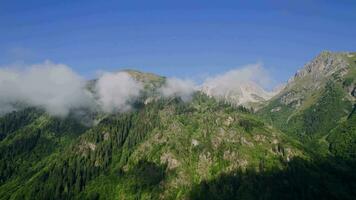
(317, 112)
(342, 139)
(160, 150)
(301, 145)
(300, 179)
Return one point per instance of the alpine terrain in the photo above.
(240, 143)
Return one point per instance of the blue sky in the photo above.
(175, 38)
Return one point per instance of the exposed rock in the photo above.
(230, 155)
(276, 109)
(289, 154)
(86, 146)
(259, 138)
(106, 136)
(235, 161)
(312, 77)
(205, 161)
(195, 142)
(168, 158)
(92, 146)
(292, 99)
(97, 163)
(243, 141)
(239, 163)
(150, 100)
(159, 139)
(324, 64)
(228, 121)
(242, 163)
(218, 138)
(243, 94)
(279, 149)
(274, 141)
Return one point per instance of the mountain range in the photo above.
(241, 142)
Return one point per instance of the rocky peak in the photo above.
(313, 76)
(143, 76)
(241, 94)
(325, 64)
(149, 80)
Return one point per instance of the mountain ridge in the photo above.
(316, 99)
(299, 145)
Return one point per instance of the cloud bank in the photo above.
(175, 87)
(54, 87)
(116, 90)
(58, 89)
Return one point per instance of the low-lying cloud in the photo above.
(54, 87)
(175, 87)
(116, 90)
(255, 73)
(251, 77)
(58, 89)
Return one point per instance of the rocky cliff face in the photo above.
(323, 65)
(313, 76)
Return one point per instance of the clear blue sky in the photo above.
(175, 38)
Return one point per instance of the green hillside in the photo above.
(159, 151)
(315, 102)
(301, 145)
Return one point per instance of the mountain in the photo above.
(162, 149)
(319, 97)
(148, 79)
(205, 148)
(246, 93)
(342, 138)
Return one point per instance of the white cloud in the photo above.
(55, 87)
(175, 87)
(255, 73)
(58, 89)
(239, 84)
(116, 90)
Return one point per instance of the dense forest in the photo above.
(303, 147)
(48, 158)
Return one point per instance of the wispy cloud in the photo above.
(228, 80)
(240, 83)
(174, 87)
(116, 90)
(58, 89)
